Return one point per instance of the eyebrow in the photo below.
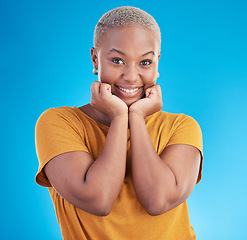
(115, 50)
(149, 53)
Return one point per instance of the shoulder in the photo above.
(175, 126)
(65, 111)
(183, 129)
(60, 115)
(171, 119)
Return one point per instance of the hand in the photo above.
(150, 104)
(104, 101)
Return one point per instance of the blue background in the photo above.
(45, 62)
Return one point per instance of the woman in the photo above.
(119, 168)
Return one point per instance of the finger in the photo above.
(150, 91)
(94, 93)
(95, 87)
(105, 88)
(158, 88)
(159, 94)
(156, 91)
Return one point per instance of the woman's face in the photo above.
(127, 59)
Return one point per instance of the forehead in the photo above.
(130, 38)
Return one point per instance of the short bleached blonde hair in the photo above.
(124, 16)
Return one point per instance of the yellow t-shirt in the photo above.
(66, 129)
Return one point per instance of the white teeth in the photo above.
(128, 90)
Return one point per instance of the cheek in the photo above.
(150, 77)
(107, 75)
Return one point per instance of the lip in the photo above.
(128, 87)
(129, 91)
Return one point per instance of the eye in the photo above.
(117, 61)
(145, 62)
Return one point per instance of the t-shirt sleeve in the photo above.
(187, 131)
(56, 132)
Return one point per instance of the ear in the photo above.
(159, 57)
(94, 57)
(158, 75)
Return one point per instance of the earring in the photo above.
(95, 71)
(158, 75)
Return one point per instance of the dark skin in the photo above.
(127, 62)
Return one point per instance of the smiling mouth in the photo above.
(129, 90)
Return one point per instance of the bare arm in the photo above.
(161, 182)
(94, 185)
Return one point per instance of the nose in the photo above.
(131, 73)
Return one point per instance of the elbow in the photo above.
(160, 206)
(102, 206)
(103, 210)
(97, 205)
(96, 208)
(155, 210)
